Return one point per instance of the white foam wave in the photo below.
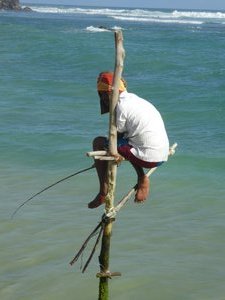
(52, 10)
(96, 29)
(75, 10)
(117, 28)
(152, 20)
(198, 15)
(140, 15)
(102, 29)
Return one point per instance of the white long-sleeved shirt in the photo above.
(143, 126)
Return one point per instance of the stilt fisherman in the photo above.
(142, 137)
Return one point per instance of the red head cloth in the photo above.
(105, 82)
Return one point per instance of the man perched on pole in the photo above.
(142, 138)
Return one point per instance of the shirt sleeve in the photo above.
(120, 120)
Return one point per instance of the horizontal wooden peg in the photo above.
(108, 274)
(96, 153)
(104, 157)
(101, 155)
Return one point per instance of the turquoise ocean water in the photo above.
(170, 248)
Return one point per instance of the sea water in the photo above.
(170, 248)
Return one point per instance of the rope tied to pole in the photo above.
(98, 230)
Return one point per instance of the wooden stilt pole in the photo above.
(105, 274)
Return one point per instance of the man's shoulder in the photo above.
(127, 96)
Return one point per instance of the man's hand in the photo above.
(118, 158)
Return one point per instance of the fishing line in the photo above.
(50, 186)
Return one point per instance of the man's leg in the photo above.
(143, 184)
(143, 180)
(99, 143)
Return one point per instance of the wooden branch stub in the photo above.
(172, 149)
(104, 157)
(94, 153)
(108, 274)
(101, 155)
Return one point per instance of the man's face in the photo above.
(104, 101)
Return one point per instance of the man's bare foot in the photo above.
(99, 200)
(142, 189)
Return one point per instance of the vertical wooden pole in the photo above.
(105, 274)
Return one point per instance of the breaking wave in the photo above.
(102, 29)
(139, 15)
(154, 20)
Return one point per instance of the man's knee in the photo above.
(99, 143)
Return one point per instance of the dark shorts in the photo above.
(124, 149)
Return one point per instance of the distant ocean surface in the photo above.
(170, 248)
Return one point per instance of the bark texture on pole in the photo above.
(105, 273)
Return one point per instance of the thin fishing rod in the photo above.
(50, 186)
